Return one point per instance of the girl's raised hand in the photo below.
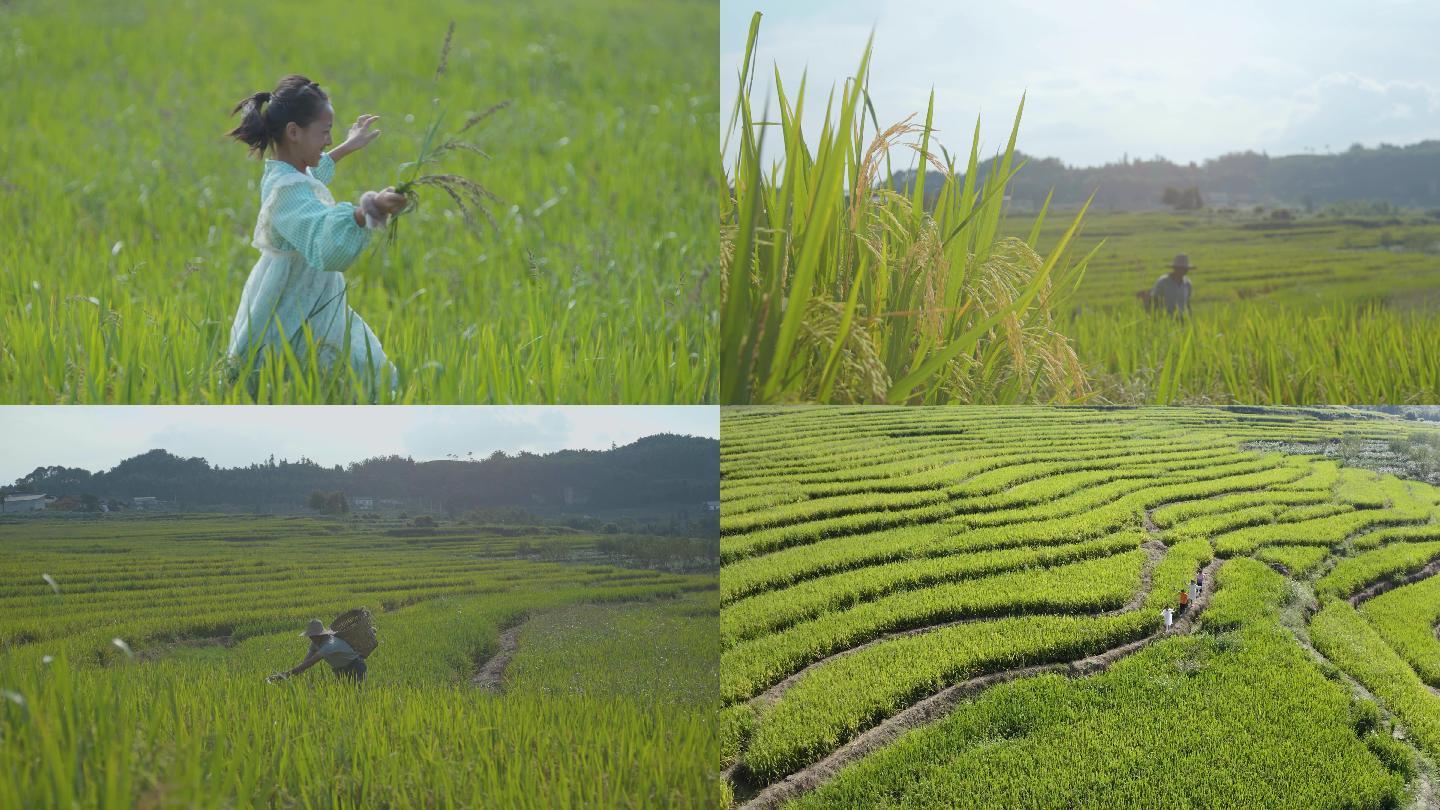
(389, 202)
(360, 134)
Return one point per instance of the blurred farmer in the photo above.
(330, 648)
(1172, 290)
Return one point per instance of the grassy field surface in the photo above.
(128, 215)
(608, 700)
(1318, 309)
(1003, 645)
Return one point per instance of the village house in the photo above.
(24, 503)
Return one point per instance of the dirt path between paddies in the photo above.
(1147, 519)
(1387, 585)
(491, 676)
(942, 703)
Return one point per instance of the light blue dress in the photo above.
(306, 242)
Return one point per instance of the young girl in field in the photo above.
(306, 239)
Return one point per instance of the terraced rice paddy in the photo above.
(607, 700)
(962, 607)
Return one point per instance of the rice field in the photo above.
(128, 214)
(963, 608)
(843, 286)
(138, 678)
(1294, 312)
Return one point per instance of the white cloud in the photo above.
(1145, 77)
(1344, 108)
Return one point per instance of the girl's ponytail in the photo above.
(252, 130)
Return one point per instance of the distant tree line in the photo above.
(654, 471)
(1406, 176)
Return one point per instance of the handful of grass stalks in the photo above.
(469, 196)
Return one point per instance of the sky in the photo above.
(98, 437)
(1108, 78)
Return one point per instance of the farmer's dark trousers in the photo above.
(354, 671)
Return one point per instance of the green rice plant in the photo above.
(1036, 483)
(750, 575)
(1087, 586)
(1175, 514)
(1362, 489)
(1343, 635)
(1212, 524)
(833, 703)
(636, 641)
(773, 610)
(1240, 721)
(1325, 531)
(1248, 592)
(1279, 315)
(1217, 466)
(1321, 476)
(1352, 574)
(821, 508)
(736, 724)
(738, 546)
(1298, 560)
(1400, 534)
(837, 288)
(1102, 519)
(1310, 511)
(1405, 618)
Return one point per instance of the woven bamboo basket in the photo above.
(357, 628)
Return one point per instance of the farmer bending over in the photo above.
(1172, 290)
(326, 646)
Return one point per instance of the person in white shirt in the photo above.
(330, 648)
(1171, 292)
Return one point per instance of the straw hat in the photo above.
(317, 628)
(1182, 262)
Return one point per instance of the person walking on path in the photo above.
(1195, 590)
(1168, 614)
(306, 239)
(1184, 602)
(1172, 290)
(330, 648)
